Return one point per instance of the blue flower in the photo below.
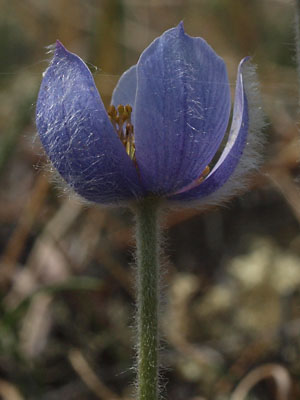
(167, 120)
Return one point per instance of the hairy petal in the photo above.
(243, 148)
(124, 92)
(77, 134)
(181, 110)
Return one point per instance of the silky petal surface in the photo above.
(233, 150)
(182, 108)
(124, 92)
(78, 136)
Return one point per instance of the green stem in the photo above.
(147, 237)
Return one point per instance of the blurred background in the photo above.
(231, 304)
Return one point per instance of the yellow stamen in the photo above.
(128, 109)
(121, 120)
(196, 182)
(204, 174)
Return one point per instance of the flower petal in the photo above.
(181, 111)
(124, 92)
(77, 134)
(233, 150)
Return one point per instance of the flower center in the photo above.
(120, 117)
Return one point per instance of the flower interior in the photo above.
(195, 183)
(120, 117)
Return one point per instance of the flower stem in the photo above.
(147, 238)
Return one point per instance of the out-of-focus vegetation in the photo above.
(231, 315)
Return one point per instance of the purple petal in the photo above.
(181, 110)
(77, 134)
(233, 150)
(124, 92)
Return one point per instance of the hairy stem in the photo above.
(147, 238)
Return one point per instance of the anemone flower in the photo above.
(167, 120)
(163, 139)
